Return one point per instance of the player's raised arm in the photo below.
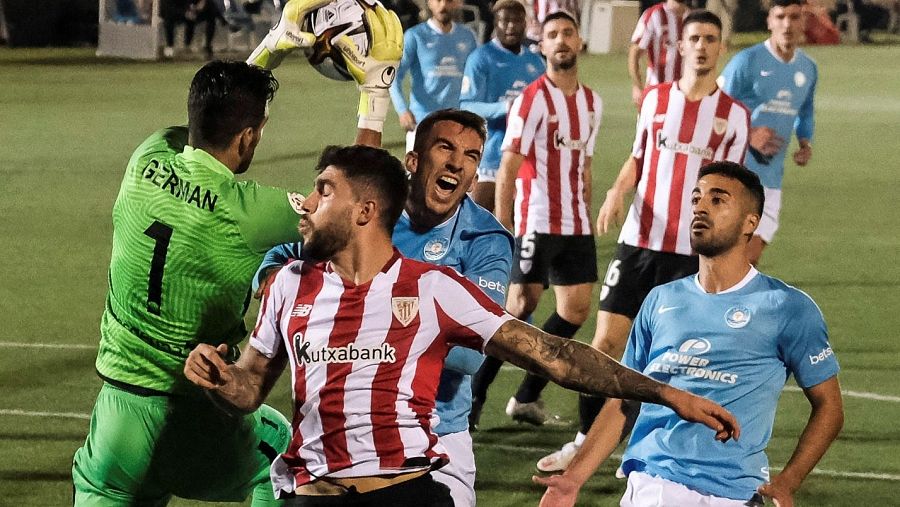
(577, 366)
(287, 35)
(374, 72)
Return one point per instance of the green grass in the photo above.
(69, 122)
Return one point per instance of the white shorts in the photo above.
(645, 490)
(459, 474)
(768, 223)
(486, 175)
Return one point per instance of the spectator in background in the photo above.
(189, 12)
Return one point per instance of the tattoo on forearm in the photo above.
(571, 364)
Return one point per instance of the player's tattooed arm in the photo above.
(575, 365)
(238, 388)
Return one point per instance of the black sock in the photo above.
(532, 385)
(484, 377)
(588, 408)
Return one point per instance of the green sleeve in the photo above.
(266, 216)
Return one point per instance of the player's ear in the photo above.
(751, 222)
(368, 212)
(473, 184)
(412, 162)
(247, 140)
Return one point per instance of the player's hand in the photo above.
(765, 141)
(780, 493)
(611, 212)
(408, 121)
(206, 366)
(802, 156)
(268, 277)
(691, 407)
(637, 93)
(375, 72)
(286, 35)
(562, 491)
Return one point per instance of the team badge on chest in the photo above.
(436, 249)
(737, 316)
(405, 309)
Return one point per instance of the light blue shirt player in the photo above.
(779, 95)
(435, 61)
(737, 348)
(473, 243)
(493, 78)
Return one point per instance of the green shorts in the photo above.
(142, 450)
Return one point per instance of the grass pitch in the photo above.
(68, 123)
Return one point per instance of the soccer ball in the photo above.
(328, 23)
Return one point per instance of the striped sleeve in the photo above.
(523, 121)
(266, 336)
(476, 316)
(596, 120)
(739, 122)
(642, 32)
(644, 122)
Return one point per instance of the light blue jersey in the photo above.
(779, 95)
(495, 76)
(434, 60)
(473, 243)
(736, 348)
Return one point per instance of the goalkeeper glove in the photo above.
(286, 35)
(375, 73)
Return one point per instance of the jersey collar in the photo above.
(734, 288)
(434, 26)
(768, 45)
(206, 160)
(496, 42)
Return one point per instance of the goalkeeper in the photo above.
(187, 238)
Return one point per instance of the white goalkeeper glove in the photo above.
(286, 35)
(375, 73)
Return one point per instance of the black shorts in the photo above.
(554, 259)
(634, 271)
(420, 492)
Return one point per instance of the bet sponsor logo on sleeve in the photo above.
(821, 357)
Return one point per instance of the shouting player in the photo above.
(682, 126)
(734, 335)
(441, 225)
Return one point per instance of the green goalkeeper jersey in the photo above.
(187, 238)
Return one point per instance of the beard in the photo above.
(323, 242)
(713, 246)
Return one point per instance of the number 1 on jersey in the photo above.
(161, 233)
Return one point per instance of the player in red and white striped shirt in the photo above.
(656, 34)
(682, 126)
(365, 333)
(550, 135)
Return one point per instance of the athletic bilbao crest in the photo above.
(405, 309)
(720, 125)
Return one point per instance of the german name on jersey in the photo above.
(555, 133)
(494, 77)
(675, 137)
(657, 33)
(187, 239)
(737, 348)
(365, 363)
(435, 61)
(779, 95)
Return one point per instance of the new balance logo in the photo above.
(301, 310)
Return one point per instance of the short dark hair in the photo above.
(225, 98)
(701, 16)
(745, 176)
(512, 5)
(369, 168)
(467, 119)
(558, 15)
(784, 3)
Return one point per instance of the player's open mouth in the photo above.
(698, 225)
(447, 184)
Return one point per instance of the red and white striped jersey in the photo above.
(675, 137)
(657, 33)
(365, 363)
(555, 133)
